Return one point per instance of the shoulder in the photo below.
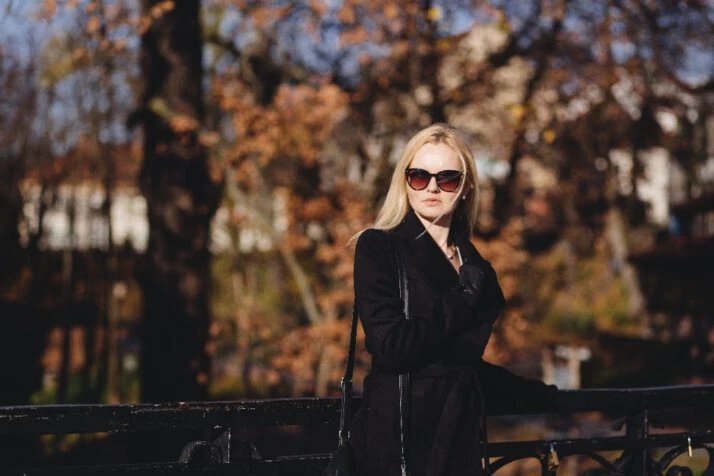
(374, 249)
(372, 238)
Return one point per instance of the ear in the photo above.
(466, 191)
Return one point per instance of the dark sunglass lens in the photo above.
(418, 179)
(448, 180)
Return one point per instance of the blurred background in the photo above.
(179, 182)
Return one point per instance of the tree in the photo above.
(305, 127)
(182, 197)
(539, 84)
(19, 106)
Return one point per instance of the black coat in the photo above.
(441, 346)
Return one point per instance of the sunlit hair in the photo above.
(396, 203)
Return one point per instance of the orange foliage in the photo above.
(93, 25)
(48, 9)
(181, 123)
(157, 11)
(306, 351)
(512, 330)
(317, 208)
(86, 162)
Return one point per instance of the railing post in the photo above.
(218, 451)
(636, 433)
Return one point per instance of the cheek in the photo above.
(411, 196)
(454, 204)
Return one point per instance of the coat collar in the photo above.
(418, 242)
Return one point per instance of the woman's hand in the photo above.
(479, 280)
(473, 276)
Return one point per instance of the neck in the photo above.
(439, 231)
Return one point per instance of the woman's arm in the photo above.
(505, 391)
(396, 342)
(470, 344)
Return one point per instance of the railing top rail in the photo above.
(52, 419)
(49, 419)
(634, 399)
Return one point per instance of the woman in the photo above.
(454, 298)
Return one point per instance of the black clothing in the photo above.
(441, 345)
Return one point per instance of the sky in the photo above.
(696, 62)
(23, 38)
(17, 33)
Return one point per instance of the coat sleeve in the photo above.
(398, 343)
(504, 391)
(470, 345)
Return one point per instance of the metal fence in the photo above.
(218, 450)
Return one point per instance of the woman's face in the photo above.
(432, 202)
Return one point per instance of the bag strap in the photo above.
(404, 380)
(346, 384)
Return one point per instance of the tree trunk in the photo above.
(181, 200)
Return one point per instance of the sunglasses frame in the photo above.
(459, 175)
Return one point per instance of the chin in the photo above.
(432, 216)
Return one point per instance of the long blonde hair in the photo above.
(396, 203)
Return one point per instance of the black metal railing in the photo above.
(219, 450)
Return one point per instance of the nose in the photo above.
(432, 186)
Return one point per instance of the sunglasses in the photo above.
(446, 180)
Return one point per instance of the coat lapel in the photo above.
(425, 252)
(469, 254)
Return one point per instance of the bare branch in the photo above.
(656, 32)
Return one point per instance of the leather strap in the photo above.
(346, 384)
(404, 380)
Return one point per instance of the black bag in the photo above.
(344, 461)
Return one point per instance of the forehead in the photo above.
(436, 157)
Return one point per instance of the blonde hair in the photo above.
(396, 203)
